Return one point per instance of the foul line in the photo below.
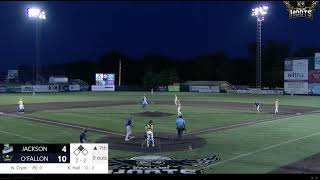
(263, 149)
(25, 137)
(63, 124)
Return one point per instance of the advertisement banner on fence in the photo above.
(102, 88)
(317, 61)
(63, 88)
(242, 91)
(162, 88)
(46, 88)
(314, 88)
(215, 89)
(255, 90)
(74, 87)
(314, 76)
(271, 92)
(173, 88)
(3, 89)
(296, 87)
(199, 88)
(15, 89)
(296, 70)
(210, 89)
(26, 88)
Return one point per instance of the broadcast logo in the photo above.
(6, 153)
(298, 9)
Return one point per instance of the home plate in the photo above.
(298, 113)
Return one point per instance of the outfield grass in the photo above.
(113, 118)
(309, 101)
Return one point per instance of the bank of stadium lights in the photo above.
(259, 12)
(36, 13)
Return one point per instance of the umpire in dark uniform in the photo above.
(181, 126)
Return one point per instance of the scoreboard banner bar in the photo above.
(75, 158)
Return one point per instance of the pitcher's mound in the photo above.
(153, 114)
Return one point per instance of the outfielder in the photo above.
(144, 103)
(128, 127)
(21, 106)
(276, 106)
(257, 104)
(176, 100)
(149, 133)
(179, 107)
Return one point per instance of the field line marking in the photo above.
(21, 136)
(263, 149)
(241, 124)
(63, 124)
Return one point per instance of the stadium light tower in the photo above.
(37, 15)
(259, 13)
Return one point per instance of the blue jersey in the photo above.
(128, 122)
(83, 137)
(180, 122)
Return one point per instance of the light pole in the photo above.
(119, 72)
(259, 13)
(38, 15)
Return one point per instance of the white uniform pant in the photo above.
(276, 110)
(21, 107)
(258, 108)
(129, 132)
(150, 138)
(179, 112)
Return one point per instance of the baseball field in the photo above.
(246, 141)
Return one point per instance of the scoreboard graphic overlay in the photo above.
(83, 158)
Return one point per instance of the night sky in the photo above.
(86, 30)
